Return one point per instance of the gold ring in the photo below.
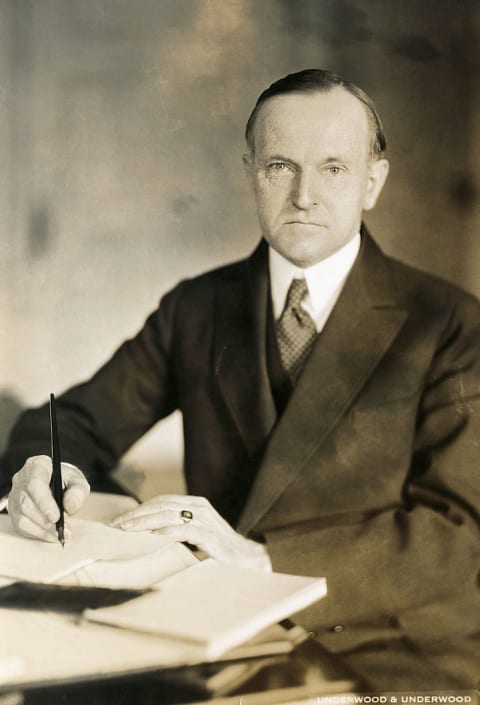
(186, 515)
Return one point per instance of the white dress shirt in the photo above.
(325, 281)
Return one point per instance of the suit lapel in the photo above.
(359, 331)
(240, 357)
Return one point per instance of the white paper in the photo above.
(30, 559)
(214, 604)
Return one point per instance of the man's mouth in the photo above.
(303, 222)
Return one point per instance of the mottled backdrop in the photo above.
(121, 139)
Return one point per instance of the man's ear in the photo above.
(247, 159)
(376, 180)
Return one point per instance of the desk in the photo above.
(53, 658)
(303, 676)
(59, 659)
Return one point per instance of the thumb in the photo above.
(76, 486)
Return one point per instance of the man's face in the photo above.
(312, 173)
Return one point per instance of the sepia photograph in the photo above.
(240, 352)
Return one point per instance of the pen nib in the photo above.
(61, 536)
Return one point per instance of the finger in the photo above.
(168, 509)
(40, 494)
(34, 479)
(180, 499)
(161, 504)
(38, 465)
(133, 514)
(30, 529)
(27, 527)
(77, 488)
(23, 505)
(151, 522)
(200, 507)
(203, 511)
(178, 532)
(202, 536)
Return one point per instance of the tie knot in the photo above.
(296, 293)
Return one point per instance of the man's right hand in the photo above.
(31, 507)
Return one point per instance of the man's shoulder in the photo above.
(205, 282)
(193, 298)
(229, 271)
(430, 295)
(414, 281)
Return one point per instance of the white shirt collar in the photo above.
(325, 281)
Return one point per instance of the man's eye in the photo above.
(278, 167)
(334, 170)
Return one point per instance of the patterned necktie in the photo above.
(296, 331)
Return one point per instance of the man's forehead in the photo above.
(334, 115)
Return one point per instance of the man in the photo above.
(330, 399)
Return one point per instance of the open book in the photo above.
(215, 605)
(97, 555)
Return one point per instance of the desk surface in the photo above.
(102, 665)
(301, 677)
(45, 654)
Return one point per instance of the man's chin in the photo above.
(306, 244)
(303, 252)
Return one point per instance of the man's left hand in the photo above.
(205, 529)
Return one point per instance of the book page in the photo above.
(140, 572)
(153, 555)
(80, 649)
(105, 506)
(86, 650)
(215, 604)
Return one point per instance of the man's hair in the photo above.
(313, 81)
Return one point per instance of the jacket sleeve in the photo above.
(101, 418)
(421, 556)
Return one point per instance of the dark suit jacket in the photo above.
(371, 477)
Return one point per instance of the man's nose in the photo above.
(305, 191)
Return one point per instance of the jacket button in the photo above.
(338, 628)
